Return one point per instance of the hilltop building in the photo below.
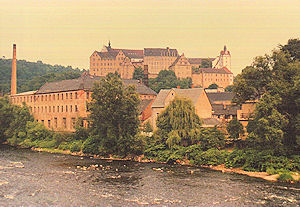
(181, 67)
(223, 60)
(159, 59)
(204, 77)
(111, 60)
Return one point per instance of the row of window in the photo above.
(53, 109)
(210, 79)
(54, 124)
(53, 97)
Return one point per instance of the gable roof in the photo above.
(137, 54)
(220, 96)
(192, 93)
(108, 55)
(86, 82)
(159, 51)
(223, 70)
(219, 109)
(144, 104)
(199, 60)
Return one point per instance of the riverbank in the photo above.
(222, 168)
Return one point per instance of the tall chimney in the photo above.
(13, 89)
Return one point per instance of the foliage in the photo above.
(213, 86)
(114, 115)
(235, 128)
(212, 156)
(292, 48)
(6, 117)
(148, 127)
(138, 73)
(229, 88)
(286, 177)
(167, 79)
(177, 120)
(211, 138)
(266, 129)
(32, 75)
(275, 81)
(91, 145)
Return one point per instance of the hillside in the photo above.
(32, 75)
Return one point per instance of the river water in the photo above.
(30, 178)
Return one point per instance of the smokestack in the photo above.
(146, 76)
(13, 89)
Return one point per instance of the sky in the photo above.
(67, 32)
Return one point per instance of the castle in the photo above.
(124, 62)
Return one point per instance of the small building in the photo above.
(181, 67)
(198, 97)
(204, 77)
(246, 111)
(222, 106)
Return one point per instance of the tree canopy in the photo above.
(274, 81)
(138, 73)
(167, 79)
(114, 116)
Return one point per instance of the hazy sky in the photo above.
(66, 32)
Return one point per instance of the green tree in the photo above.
(229, 88)
(138, 73)
(177, 120)
(266, 128)
(167, 79)
(235, 128)
(6, 117)
(213, 86)
(114, 115)
(292, 48)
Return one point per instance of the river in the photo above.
(30, 178)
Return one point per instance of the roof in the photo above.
(144, 104)
(223, 70)
(219, 109)
(199, 60)
(137, 54)
(108, 55)
(210, 122)
(220, 96)
(159, 52)
(86, 82)
(175, 62)
(25, 93)
(192, 93)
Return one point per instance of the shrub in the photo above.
(75, 146)
(285, 176)
(211, 157)
(90, 146)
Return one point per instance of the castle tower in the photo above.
(13, 89)
(225, 58)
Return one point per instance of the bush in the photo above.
(90, 146)
(75, 146)
(286, 177)
(211, 157)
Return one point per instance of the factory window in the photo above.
(75, 95)
(76, 108)
(42, 109)
(46, 109)
(31, 99)
(62, 96)
(57, 109)
(71, 95)
(67, 95)
(49, 123)
(62, 108)
(71, 108)
(53, 97)
(66, 108)
(65, 122)
(55, 122)
(46, 98)
(49, 109)
(42, 121)
(57, 96)
(87, 95)
(73, 122)
(53, 109)
(49, 97)
(42, 98)
(34, 110)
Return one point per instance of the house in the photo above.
(198, 97)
